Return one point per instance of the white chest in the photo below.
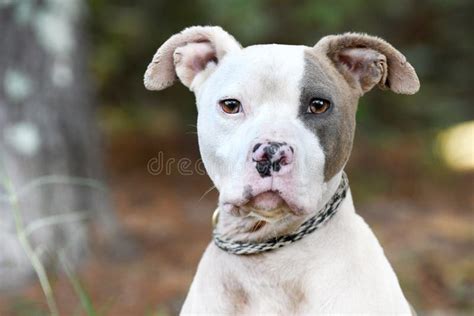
(338, 269)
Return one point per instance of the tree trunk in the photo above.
(47, 127)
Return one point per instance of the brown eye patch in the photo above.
(334, 125)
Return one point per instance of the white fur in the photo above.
(341, 269)
(265, 78)
(338, 269)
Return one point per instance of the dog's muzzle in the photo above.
(309, 226)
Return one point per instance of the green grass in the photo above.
(23, 232)
(84, 298)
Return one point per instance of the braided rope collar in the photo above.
(309, 226)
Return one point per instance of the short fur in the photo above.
(401, 78)
(161, 72)
(340, 268)
(335, 132)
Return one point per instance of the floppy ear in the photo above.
(365, 61)
(188, 55)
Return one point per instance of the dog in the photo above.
(275, 129)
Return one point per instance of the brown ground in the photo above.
(423, 220)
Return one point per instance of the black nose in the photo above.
(270, 157)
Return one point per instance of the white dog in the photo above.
(275, 128)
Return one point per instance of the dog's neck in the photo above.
(253, 229)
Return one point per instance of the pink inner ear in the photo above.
(356, 59)
(195, 56)
(367, 66)
(348, 61)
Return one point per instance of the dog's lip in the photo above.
(234, 206)
(267, 200)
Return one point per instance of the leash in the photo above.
(309, 226)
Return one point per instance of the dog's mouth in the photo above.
(269, 206)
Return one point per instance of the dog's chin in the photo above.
(267, 205)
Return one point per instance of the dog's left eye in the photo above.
(318, 106)
(230, 106)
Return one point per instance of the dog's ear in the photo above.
(188, 55)
(366, 61)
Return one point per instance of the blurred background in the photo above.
(81, 208)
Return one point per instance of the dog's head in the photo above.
(276, 122)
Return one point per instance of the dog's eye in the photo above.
(230, 106)
(318, 106)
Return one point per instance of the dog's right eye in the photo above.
(230, 106)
